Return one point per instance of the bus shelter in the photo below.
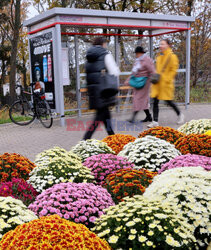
(47, 60)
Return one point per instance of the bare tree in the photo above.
(15, 23)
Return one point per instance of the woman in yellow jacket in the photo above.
(166, 65)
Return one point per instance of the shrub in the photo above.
(188, 160)
(12, 213)
(85, 149)
(149, 152)
(188, 188)
(79, 202)
(52, 232)
(104, 164)
(43, 158)
(165, 133)
(59, 170)
(196, 126)
(137, 223)
(14, 165)
(19, 189)
(128, 182)
(118, 141)
(194, 144)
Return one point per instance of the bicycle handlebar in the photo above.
(20, 86)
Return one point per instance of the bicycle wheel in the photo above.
(21, 114)
(44, 113)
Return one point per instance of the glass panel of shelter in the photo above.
(125, 55)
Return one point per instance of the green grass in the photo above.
(198, 94)
(2, 121)
(18, 119)
(69, 112)
(8, 120)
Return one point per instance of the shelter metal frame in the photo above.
(56, 18)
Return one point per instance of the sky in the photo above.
(32, 12)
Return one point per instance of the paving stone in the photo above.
(33, 139)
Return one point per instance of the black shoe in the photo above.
(147, 119)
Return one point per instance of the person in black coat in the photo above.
(99, 59)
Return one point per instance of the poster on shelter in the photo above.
(42, 71)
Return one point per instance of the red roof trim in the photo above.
(101, 34)
(164, 33)
(105, 25)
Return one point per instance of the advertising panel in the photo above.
(42, 69)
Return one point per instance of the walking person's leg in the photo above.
(174, 106)
(132, 120)
(181, 117)
(155, 114)
(148, 116)
(107, 121)
(94, 124)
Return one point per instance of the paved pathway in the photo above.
(32, 139)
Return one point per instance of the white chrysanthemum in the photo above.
(196, 126)
(43, 158)
(113, 239)
(144, 224)
(149, 152)
(189, 189)
(19, 214)
(85, 149)
(58, 170)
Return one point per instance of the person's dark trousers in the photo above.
(156, 108)
(102, 115)
(148, 116)
(147, 119)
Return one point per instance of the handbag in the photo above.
(155, 78)
(138, 82)
(108, 85)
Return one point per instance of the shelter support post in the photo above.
(78, 93)
(150, 44)
(187, 78)
(59, 89)
(116, 40)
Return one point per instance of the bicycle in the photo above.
(23, 112)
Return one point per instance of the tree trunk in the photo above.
(64, 3)
(2, 80)
(14, 43)
(189, 7)
(24, 78)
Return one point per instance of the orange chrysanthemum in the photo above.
(52, 232)
(118, 141)
(166, 133)
(194, 144)
(14, 165)
(128, 182)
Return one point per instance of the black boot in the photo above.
(148, 116)
(147, 119)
